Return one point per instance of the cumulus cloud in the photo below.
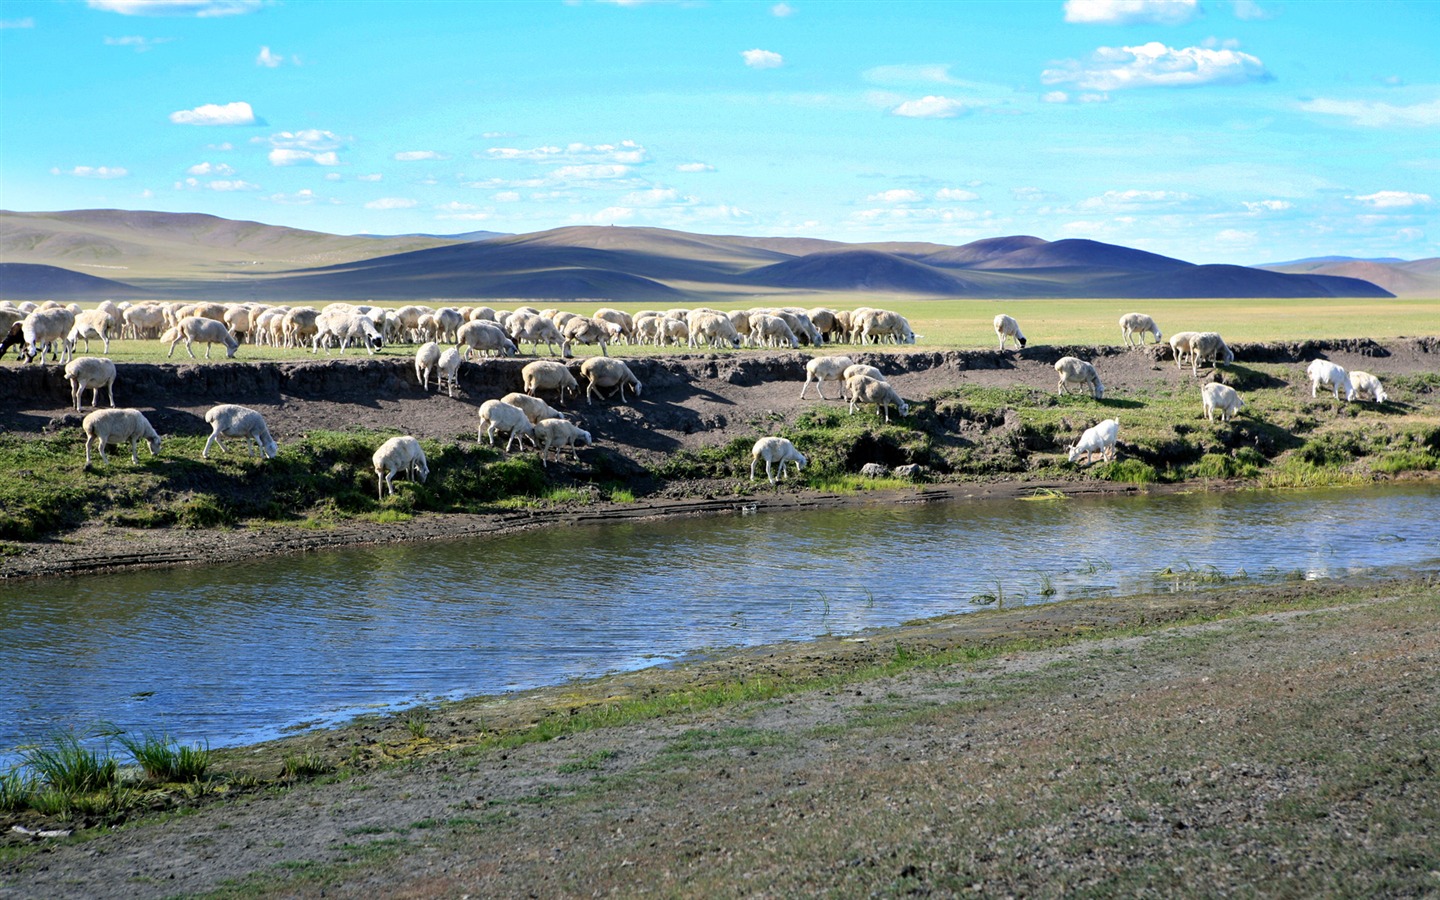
(1394, 199)
(415, 155)
(591, 172)
(308, 139)
(208, 168)
(237, 113)
(1033, 195)
(956, 194)
(655, 197)
(302, 197)
(1156, 65)
(762, 59)
(376, 176)
(898, 195)
(694, 167)
(1063, 97)
(1130, 12)
(1134, 199)
(1264, 206)
(222, 185)
(202, 9)
(141, 44)
(782, 10)
(269, 60)
(624, 153)
(936, 73)
(932, 107)
(103, 172)
(392, 203)
(282, 156)
(1370, 114)
(506, 196)
(1249, 11)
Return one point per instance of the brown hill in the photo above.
(1417, 278)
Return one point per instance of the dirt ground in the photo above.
(688, 402)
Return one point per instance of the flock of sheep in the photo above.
(522, 417)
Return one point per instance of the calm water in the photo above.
(240, 653)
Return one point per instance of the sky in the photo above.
(1239, 131)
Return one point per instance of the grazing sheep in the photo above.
(670, 331)
(1324, 372)
(449, 321)
(863, 389)
(716, 331)
(93, 323)
(1208, 345)
(399, 454)
(1136, 325)
(119, 426)
(775, 450)
(1215, 396)
(533, 330)
(230, 420)
(548, 375)
(772, 331)
(825, 368)
(1182, 344)
(875, 324)
(299, 325)
(559, 434)
(1006, 327)
(585, 330)
(647, 329)
(621, 320)
(603, 372)
(449, 376)
(426, 358)
(346, 325)
(824, 321)
(1365, 383)
(497, 415)
(94, 373)
(44, 328)
(535, 408)
(143, 321)
(196, 328)
(485, 337)
(1077, 371)
(1097, 439)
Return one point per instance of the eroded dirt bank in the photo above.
(1288, 751)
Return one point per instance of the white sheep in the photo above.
(346, 325)
(548, 375)
(91, 372)
(535, 408)
(449, 376)
(119, 426)
(671, 331)
(399, 454)
(775, 450)
(1097, 439)
(485, 337)
(585, 330)
(1182, 345)
(1365, 383)
(825, 368)
(427, 355)
(1076, 371)
(534, 329)
(496, 415)
(1219, 396)
(197, 328)
(1136, 325)
(1207, 345)
(44, 328)
(772, 331)
(717, 331)
(874, 324)
(863, 389)
(558, 434)
(1324, 372)
(603, 372)
(93, 323)
(1006, 327)
(231, 420)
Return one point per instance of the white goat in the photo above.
(1365, 383)
(1076, 371)
(775, 450)
(1208, 345)
(496, 415)
(1097, 439)
(825, 368)
(91, 372)
(1215, 396)
(231, 420)
(558, 434)
(399, 454)
(1324, 372)
(1006, 327)
(1137, 325)
(119, 426)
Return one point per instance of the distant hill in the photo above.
(462, 236)
(1416, 278)
(205, 257)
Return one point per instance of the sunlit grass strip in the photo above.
(164, 759)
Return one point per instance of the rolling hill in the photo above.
(179, 255)
(1415, 278)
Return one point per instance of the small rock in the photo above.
(912, 471)
(874, 470)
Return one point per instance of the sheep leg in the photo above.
(215, 439)
(753, 461)
(769, 473)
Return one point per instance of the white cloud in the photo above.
(1264, 206)
(299, 198)
(455, 206)
(467, 217)
(1055, 97)
(141, 44)
(656, 197)
(334, 176)
(590, 173)
(1235, 237)
(103, 172)
(392, 203)
(202, 9)
(268, 60)
(308, 139)
(898, 195)
(938, 73)
(762, 59)
(506, 197)
(220, 185)
(207, 168)
(1134, 199)
(223, 147)
(1249, 11)
(694, 167)
(237, 113)
(27, 22)
(1156, 65)
(956, 194)
(933, 107)
(282, 156)
(372, 177)
(1033, 195)
(1394, 199)
(1378, 115)
(1130, 12)
(415, 155)
(782, 10)
(625, 153)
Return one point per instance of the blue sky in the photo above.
(1248, 131)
